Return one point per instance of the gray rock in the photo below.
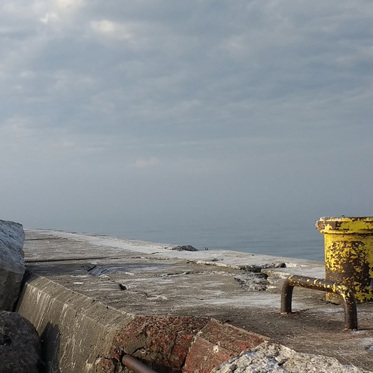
(12, 264)
(19, 344)
(184, 248)
(272, 357)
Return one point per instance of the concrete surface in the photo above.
(93, 298)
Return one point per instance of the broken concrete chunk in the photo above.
(12, 264)
(272, 357)
(252, 281)
(258, 268)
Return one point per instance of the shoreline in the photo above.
(315, 250)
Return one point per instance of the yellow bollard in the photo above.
(349, 255)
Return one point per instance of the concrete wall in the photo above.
(80, 334)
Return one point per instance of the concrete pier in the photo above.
(94, 298)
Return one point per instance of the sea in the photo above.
(279, 237)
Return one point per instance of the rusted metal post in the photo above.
(349, 254)
(349, 304)
(136, 365)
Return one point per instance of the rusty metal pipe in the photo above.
(349, 303)
(136, 365)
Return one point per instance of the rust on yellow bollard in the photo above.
(348, 245)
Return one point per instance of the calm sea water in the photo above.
(286, 238)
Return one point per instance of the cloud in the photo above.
(143, 163)
(112, 29)
(49, 17)
(178, 75)
(68, 4)
(67, 82)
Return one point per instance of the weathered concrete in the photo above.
(97, 297)
(12, 265)
(19, 344)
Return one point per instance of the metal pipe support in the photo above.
(136, 365)
(349, 303)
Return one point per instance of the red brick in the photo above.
(216, 343)
(204, 356)
(231, 337)
(180, 343)
(163, 341)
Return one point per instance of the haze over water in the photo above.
(281, 238)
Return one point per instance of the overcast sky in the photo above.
(175, 110)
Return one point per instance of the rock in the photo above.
(12, 264)
(252, 281)
(272, 357)
(19, 344)
(184, 248)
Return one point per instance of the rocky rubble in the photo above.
(272, 357)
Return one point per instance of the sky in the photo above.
(177, 112)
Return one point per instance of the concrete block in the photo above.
(12, 265)
(80, 334)
(76, 331)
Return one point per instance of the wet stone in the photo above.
(12, 265)
(19, 344)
